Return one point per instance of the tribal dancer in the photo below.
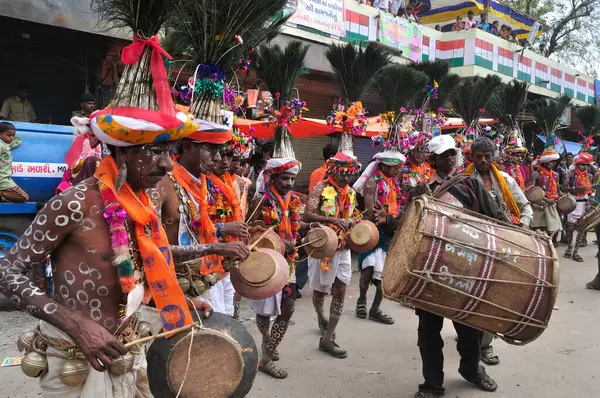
(277, 205)
(243, 147)
(379, 187)
(182, 200)
(545, 215)
(513, 166)
(469, 194)
(579, 185)
(333, 202)
(417, 169)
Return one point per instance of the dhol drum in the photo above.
(264, 273)
(363, 236)
(269, 241)
(323, 242)
(470, 268)
(534, 194)
(218, 360)
(566, 204)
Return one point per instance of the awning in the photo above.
(445, 12)
(570, 146)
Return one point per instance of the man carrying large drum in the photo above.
(466, 193)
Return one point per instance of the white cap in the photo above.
(441, 144)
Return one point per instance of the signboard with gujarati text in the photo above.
(401, 34)
(324, 15)
(34, 169)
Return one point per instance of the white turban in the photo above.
(389, 158)
(276, 166)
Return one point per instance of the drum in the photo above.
(223, 361)
(363, 237)
(270, 241)
(472, 269)
(264, 274)
(323, 242)
(566, 204)
(534, 194)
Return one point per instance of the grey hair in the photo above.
(483, 144)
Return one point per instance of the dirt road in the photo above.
(383, 361)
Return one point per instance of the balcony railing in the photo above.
(469, 52)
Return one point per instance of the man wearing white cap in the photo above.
(467, 193)
(380, 187)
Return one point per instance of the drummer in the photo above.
(277, 205)
(379, 186)
(181, 199)
(547, 218)
(417, 169)
(500, 185)
(579, 184)
(470, 194)
(83, 230)
(513, 164)
(333, 202)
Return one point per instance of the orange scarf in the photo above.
(154, 249)
(552, 188)
(392, 199)
(584, 186)
(507, 195)
(342, 196)
(207, 233)
(226, 186)
(285, 226)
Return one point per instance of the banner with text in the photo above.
(401, 34)
(324, 15)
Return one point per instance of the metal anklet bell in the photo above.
(25, 340)
(144, 329)
(184, 284)
(34, 364)
(122, 365)
(211, 279)
(73, 372)
(199, 287)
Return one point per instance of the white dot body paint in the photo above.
(82, 297)
(102, 291)
(50, 308)
(61, 220)
(69, 277)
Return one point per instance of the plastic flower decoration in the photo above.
(351, 119)
(239, 39)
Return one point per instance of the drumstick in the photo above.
(255, 209)
(253, 245)
(158, 336)
(309, 243)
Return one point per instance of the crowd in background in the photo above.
(493, 28)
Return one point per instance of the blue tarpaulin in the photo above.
(570, 146)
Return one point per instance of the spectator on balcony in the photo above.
(459, 25)
(504, 32)
(411, 15)
(513, 38)
(470, 22)
(438, 27)
(495, 28)
(483, 23)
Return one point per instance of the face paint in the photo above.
(284, 182)
(147, 164)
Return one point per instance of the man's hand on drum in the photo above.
(289, 246)
(96, 343)
(379, 214)
(237, 228)
(343, 224)
(236, 250)
(200, 306)
(253, 229)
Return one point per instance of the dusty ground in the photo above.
(383, 361)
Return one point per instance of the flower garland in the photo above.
(413, 175)
(190, 208)
(383, 190)
(271, 216)
(219, 209)
(351, 119)
(330, 208)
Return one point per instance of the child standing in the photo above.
(9, 191)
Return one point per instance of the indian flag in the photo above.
(569, 85)
(506, 60)
(541, 74)
(428, 49)
(555, 80)
(524, 69)
(453, 51)
(484, 54)
(591, 93)
(359, 27)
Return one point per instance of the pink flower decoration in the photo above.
(239, 39)
(277, 95)
(251, 130)
(378, 120)
(440, 109)
(481, 110)
(403, 110)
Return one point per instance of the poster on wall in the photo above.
(401, 34)
(324, 15)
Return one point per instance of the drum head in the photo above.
(315, 234)
(258, 269)
(361, 234)
(223, 363)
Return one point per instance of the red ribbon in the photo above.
(132, 54)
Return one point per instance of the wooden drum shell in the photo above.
(326, 247)
(208, 372)
(374, 237)
(566, 204)
(439, 251)
(534, 194)
(270, 241)
(258, 258)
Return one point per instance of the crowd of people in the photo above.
(493, 28)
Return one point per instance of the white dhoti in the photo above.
(97, 384)
(340, 266)
(270, 306)
(576, 214)
(220, 296)
(375, 260)
(547, 218)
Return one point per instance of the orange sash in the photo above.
(392, 198)
(154, 249)
(584, 186)
(343, 196)
(226, 186)
(552, 187)
(207, 233)
(285, 226)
